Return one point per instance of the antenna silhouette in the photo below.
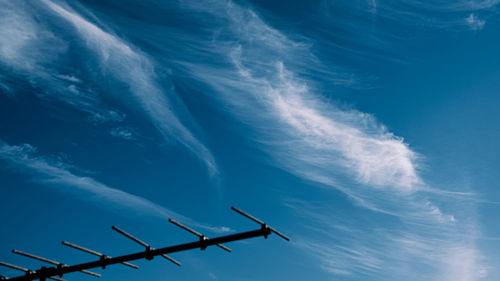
(74, 246)
(56, 272)
(264, 225)
(148, 247)
(59, 264)
(201, 236)
(22, 269)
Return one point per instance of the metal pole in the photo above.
(60, 271)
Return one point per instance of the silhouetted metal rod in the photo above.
(74, 246)
(28, 255)
(197, 234)
(170, 259)
(14, 266)
(24, 270)
(146, 245)
(186, 228)
(53, 271)
(34, 257)
(260, 222)
(130, 236)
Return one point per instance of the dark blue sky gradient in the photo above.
(365, 130)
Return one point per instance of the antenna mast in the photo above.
(59, 269)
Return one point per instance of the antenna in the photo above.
(201, 236)
(102, 256)
(24, 270)
(147, 246)
(60, 269)
(52, 262)
(263, 224)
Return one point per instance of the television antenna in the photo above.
(59, 269)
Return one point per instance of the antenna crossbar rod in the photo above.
(34, 257)
(14, 266)
(263, 224)
(185, 228)
(74, 246)
(197, 233)
(52, 262)
(146, 245)
(52, 271)
(130, 236)
(171, 259)
(24, 270)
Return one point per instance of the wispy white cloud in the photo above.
(305, 131)
(5, 88)
(56, 174)
(18, 35)
(340, 260)
(262, 76)
(378, 30)
(333, 147)
(30, 46)
(446, 15)
(29, 50)
(134, 69)
(353, 244)
(124, 133)
(470, 5)
(375, 156)
(474, 22)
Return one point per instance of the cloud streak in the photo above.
(30, 52)
(34, 44)
(395, 225)
(474, 22)
(440, 15)
(124, 133)
(265, 82)
(295, 123)
(135, 70)
(374, 27)
(54, 173)
(353, 243)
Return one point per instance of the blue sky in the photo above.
(365, 130)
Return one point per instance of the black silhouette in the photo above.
(57, 272)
